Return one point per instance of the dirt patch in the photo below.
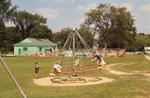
(47, 81)
(119, 72)
(146, 74)
(116, 72)
(147, 57)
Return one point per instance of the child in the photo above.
(99, 60)
(57, 67)
(77, 61)
(36, 69)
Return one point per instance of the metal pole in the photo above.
(73, 49)
(67, 40)
(12, 77)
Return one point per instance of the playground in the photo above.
(93, 73)
(74, 49)
(127, 76)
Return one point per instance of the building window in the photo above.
(25, 49)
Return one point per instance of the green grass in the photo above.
(133, 63)
(134, 86)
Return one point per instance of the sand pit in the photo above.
(46, 81)
(80, 81)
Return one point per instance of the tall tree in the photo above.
(6, 11)
(112, 24)
(41, 31)
(25, 22)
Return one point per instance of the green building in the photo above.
(31, 46)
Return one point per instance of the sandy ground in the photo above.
(46, 81)
(147, 57)
(116, 72)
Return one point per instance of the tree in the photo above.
(8, 38)
(41, 31)
(6, 11)
(142, 40)
(12, 37)
(26, 22)
(112, 24)
(130, 42)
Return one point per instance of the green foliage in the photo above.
(130, 42)
(41, 31)
(142, 40)
(8, 37)
(25, 22)
(6, 10)
(114, 25)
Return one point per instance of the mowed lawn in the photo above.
(124, 86)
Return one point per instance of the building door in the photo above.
(50, 50)
(19, 51)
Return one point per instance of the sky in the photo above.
(70, 13)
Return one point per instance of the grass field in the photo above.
(124, 86)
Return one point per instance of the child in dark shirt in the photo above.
(36, 70)
(98, 59)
